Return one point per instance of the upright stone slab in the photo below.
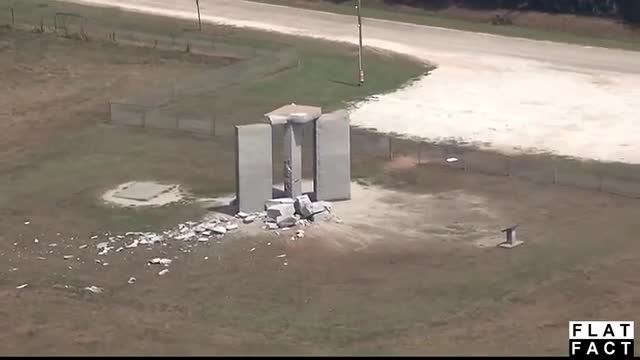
(332, 157)
(253, 166)
(292, 160)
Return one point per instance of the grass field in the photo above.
(400, 276)
(612, 34)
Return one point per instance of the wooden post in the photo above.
(199, 21)
(390, 147)
(13, 17)
(41, 25)
(361, 72)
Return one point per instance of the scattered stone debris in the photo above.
(279, 201)
(35, 240)
(67, 257)
(131, 280)
(219, 230)
(94, 289)
(162, 272)
(22, 286)
(281, 256)
(300, 234)
(242, 215)
(13, 269)
(132, 245)
(285, 263)
(27, 222)
(252, 250)
(94, 237)
(231, 227)
(249, 219)
(165, 262)
(53, 245)
(452, 159)
(41, 258)
(280, 210)
(82, 246)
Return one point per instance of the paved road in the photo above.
(514, 94)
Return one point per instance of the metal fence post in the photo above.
(390, 155)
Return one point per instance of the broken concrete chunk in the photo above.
(102, 245)
(232, 227)
(94, 289)
(242, 215)
(131, 280)
(132, 245)
(162, 272)
(300, 234)
(164, 262)
(249, 219)
(279, 201)
(272, 226)
(219, 229)
(277, 211)
(287, 221)
(302, 203)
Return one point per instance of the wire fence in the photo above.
(185, 105)
(613, 178)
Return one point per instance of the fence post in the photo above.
(390, 155)
(555, 175)
(41, 25)
(13, 17)
(419, 153)
(600, 181)
(144, 118)
(55, 23)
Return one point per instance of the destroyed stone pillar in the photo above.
(332, 157)
(254, 171)
(293, 117)
(293, 160)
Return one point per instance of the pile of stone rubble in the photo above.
(287, 212)
(283, 213)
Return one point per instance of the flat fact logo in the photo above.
(598, 339)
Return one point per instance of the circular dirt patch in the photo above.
(136, 194)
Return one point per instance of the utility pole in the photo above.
(199, 21)
(361, 75)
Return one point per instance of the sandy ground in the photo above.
(505, 94)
